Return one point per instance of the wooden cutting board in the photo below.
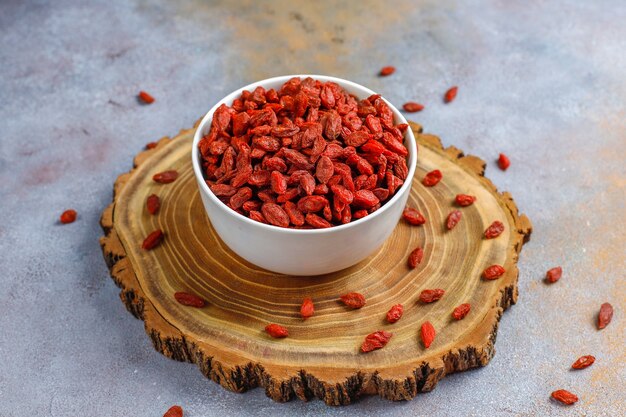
(321, 357)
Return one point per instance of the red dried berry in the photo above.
(430, 296)
(494, 230)
(151, 145)
(493, 272)
(153, 203)
(412, 107)
(503, 162)
(564, 396)
(353, 300)
(189, 300)
(554, 274)
(427, 333)
(375, 341)
(415, 258)
(174, 411)
(385, 71)
(605, 315)
(450, 94)
(464, 200)
(145, 97)
(414, 217)
(395, 313)
(453, 219)
(153, 240)
(432, 178)
(274, 214)
(583, 362)
(276, 330)
(461, 311)
(68, 216)
(165, 177)
(307, 309)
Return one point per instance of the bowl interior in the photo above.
(353, 88)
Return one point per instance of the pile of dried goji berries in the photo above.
(309, 155)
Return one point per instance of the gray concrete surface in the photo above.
(543, 82)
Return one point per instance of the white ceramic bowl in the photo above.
(296, 251)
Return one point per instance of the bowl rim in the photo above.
(195, 156)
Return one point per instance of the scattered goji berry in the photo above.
(190, 300)
(174, 411)
(494, 230)
(583, 362)
(151, 145)
(503, 162)
(353, 299)
(450, 94)
(427, 333)
(385, 71)
(554, 274)
(432, 178)
(153, 240)
(165, 177)
(153, 203)
(276, 330)
(413, 216)
(395, 313)
(375, 341)
(453, 219)
(605, 315)
(430, 296)
(68, 216)
(145, 97)
(461, 311)
(412, 107)
(464, 200)
(564, 396)
(307, 309)
(415, 257)
(493, 272)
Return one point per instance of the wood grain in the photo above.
(321, 356)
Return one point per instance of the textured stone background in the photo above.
(543, 82)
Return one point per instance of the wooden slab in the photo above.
(321, 357)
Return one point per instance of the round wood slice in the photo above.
(321, 356)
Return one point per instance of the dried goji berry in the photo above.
(274, 214)
(429, 296)
(432, 178)
(427, 333)
(450, 94)
(564, 396)
(153, 240)
(276, 330)
(174, 411)
(453, 219)
(415, 258)
(554, 274)
(153, 203)
(493, 272)
(414, 217)
(151, 145)
(145, 97)
(190, 300)
(68, 216)
(503, 162)
(395, 313)
(583, 362)
(165, 177)
(605, 315)
(385, 71)
(375, 341)
(353, 299)
(316, 221)
(412, 107)
(461, 311)
(494, 230)
(464, 200)
(307, 309)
